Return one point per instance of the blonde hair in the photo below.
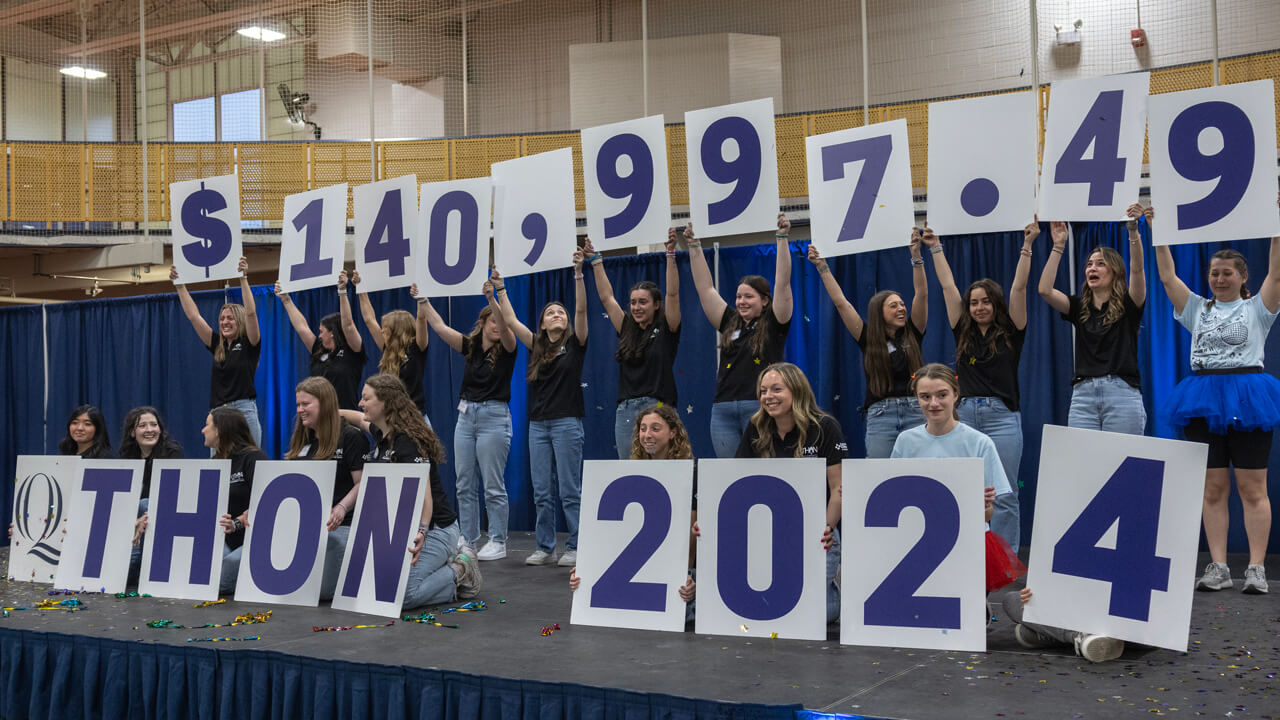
(401, 331)
(804, 409)
(1119, 289)
(328, 427)
(679, 449)
(237, 311)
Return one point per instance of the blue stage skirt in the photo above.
(1248, 401)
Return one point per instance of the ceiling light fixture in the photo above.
(80, 72)
(259, 33)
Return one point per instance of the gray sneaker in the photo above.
(1255, 580)
(1098, 648)
(468, 579)
(568, 558)
(540, 557)
(1217, 576)
(1030, 638)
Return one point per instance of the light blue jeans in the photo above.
(249, 408)
(1107, 403)
(833, 566)
(432, 581)
(335, 549)
(481, 441)
(886, 419)
(556, 444)
(991, 417)
(624, 422)
(728, 421)
(230, 570)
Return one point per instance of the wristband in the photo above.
(781, 235)
(236, 525)
(936, 249)
(423, 527)
(1025, 251)
(342, 291)
(918, 262)
(671, 253)
(598, 257)
(501, 289)
(1057, 250)
(577, 276)
(423, 301)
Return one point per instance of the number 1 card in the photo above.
(1116, 535)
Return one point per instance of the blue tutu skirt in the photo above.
(1249, 401)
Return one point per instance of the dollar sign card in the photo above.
(206, 228)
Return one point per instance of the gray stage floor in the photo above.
(1229, 671)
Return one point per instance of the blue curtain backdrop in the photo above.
(121, 353)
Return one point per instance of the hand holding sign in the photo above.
(534, 225)
(206, 231)
(859, 188)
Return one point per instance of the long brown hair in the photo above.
(400, 329)
(544, 350)
(632, 342)
(328, 427)
(737, 323)
(680, 447)
(237, 311)
(875, 352)
(234, 437)
(402, 416)
(1242, 268)
(476, 337)
(804, 409)
(1002, 327)
(1119, 289)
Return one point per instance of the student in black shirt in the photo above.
(145, 438)
(789, 423)
(440, 573)
(482, 436)
(752, 335)
(989, 336)
(227, 434)
(86, 434)
(337, 351)
(319, 433)
(648, 336)
(235, 349)
(402, 339)
(556, 409)
(890, 342)
(1107, 314)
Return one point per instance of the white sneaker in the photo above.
(570, 558)
(1098, 648)
(492, 550)
(540, 558)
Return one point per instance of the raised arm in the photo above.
(1137, 266)
(491, 290)
(251, 329)
(349, 329)
(671, 305)
(920, 300)
(1018, 291)
(508, 313)
(783, 304)
(713, 306)
(420, 323)
(190, 310)
(579, 298)
(1052, 295)
(852, 320)
(451, 337)
(370, 317)
(1270, 291)
(603, 287)
(1177, 290)
(296, 319)
(950, 293)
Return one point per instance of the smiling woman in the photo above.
(337, 351)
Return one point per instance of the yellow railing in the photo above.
(74, 182)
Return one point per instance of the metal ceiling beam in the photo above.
(40, 9)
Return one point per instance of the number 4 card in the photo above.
(1116, 535)
(633, 543)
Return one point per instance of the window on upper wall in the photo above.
(193, 121)
(240, 116)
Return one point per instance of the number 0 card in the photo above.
(1116, 535)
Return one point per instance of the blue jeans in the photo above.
(481, 441)
(335, 549)
(432, 581)
(833, 566)
(249, 408)
(1107, 403)
(991, 417)
(230, 570)
(886, 419)
(556, 444)
(728, 421)
(624, 421)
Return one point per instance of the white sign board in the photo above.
(377, 559)
(206, 228)
(534, 220)
(41, 509)
(761, 568)
(624, 174)
(283, 557)
(95, 555)
(182, 548)
(860, 189)
(1093, 147)
(313, 238)
(733, 168)
(386, 233)
(1213, 163)
(924, 585)
(982, 163)
(454, 227)
(1115, 544)
(633, 543)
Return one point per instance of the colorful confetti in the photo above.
(427, 619)
(343, 628)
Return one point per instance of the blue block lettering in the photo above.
(167, 524)
(616, 587)
(787, 571)
(388, 545)
(301, 489)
